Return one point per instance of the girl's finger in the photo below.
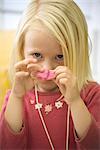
(34, 67)
(63, 81)
(62, 69)
(63, 75)
(22, 65)
(21, 74)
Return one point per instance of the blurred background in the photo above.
(10, 13)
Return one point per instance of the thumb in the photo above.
(60, 86)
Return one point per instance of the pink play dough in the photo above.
(46, 75)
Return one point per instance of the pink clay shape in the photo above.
(46, 75)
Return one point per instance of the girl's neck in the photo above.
(40, 89)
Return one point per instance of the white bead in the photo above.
(58, 104)
(31, 101)
(38, 106)
(48, 108)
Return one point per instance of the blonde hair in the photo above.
(67, 23)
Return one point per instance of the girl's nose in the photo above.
(48, 65)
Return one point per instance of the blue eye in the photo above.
(59, 57)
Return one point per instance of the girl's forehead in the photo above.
(40, 30)
(41, 38)
(40, 27)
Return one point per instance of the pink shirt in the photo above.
(32, 135)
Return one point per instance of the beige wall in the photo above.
(6, 44)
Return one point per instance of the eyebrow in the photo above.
(32, 50)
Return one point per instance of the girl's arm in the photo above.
(10, 139)
(14, 112)
(87, 122)
(86, 118)
(21, 84)
(81, 117)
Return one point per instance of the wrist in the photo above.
(17, 96)
(76, 102)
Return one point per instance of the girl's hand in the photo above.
(67, 84)
(23, 81)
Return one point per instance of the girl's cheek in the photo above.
(29, 56)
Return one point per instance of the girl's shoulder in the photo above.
(91, 86)
(90, 91)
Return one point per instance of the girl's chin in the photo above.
(47, 86)
(41, 89)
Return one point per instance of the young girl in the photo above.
(53, 103)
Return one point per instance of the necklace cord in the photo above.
(68, 124)
(45, 128)
(44, 125)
